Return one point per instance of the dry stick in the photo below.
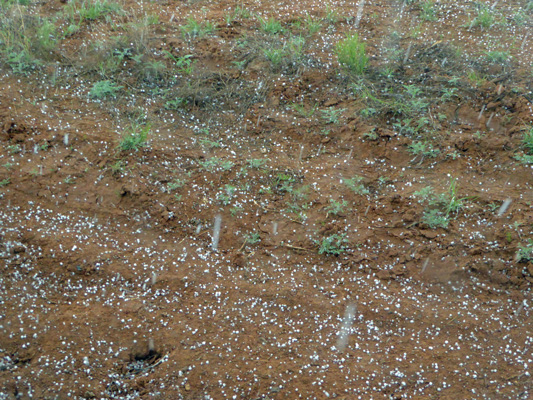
(290, 246)
(524, 42)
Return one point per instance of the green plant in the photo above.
(252, 238)
(214, 164)
(175, 104)
(135, 138)
(497, 57)
(527, 142)
(422, 149)
(313, 25)
(270, 26)
(14, 149)
(300, 109)
(226, 195)
(257, 163)
(275, 56)
(90, 10)
(476, 79)
(194, 29)
(356, 185)
(103, 89)
(5, 182)
(484, 19)
(331, 115)
(427, 12)
(183, 64)
(332, 245)
(525, 252)
(351, 54)
(175, 185)
(435, 218)
(335, 207)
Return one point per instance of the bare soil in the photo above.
(113, 284)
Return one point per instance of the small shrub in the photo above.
(351, 54)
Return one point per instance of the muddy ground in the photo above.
(376, 227)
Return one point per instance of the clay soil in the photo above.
(375, 235)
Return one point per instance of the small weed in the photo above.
(183, 64)
(497, 57)
(257, 163)
(252, 238)
(331, 115)
(527, 142)
(525, 252)
(484, 19)
(135, 139)
(271, 26)
(428, 12)
(422, 149)
(312, 25)
(236, 210)
(300, 109)
(226, 195)
(5, 182)
(435, 218)
(103, 89)
(351, 54)
(356, 185)
(197, 30)
(90, 10)
(335, 207)
(332, 245)
(214, 164)
(475, 79)
(175, 104)
(118, 167)
(14, 149)
(175, 185)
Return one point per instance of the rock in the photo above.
(18, 249)
(384, 275)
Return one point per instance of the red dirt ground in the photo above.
(111, 283)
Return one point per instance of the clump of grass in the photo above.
(440, 207)
(427, 12)
(90, 10)
(484, 19)
(135, 138)
(351, 53)
(195, 29)
(104, 89)
(271, 26)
